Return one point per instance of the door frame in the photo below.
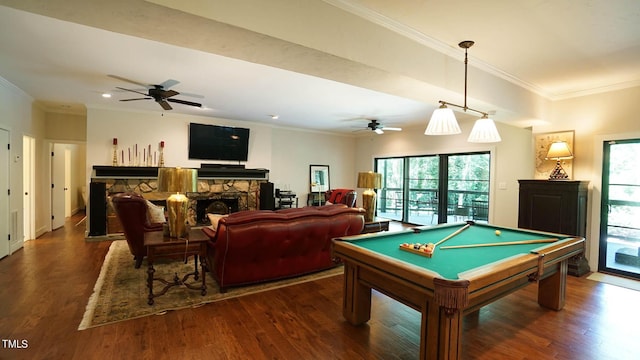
(5, 212)
(29, 189)
(593, 245)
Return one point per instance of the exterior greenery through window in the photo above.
(413, 188)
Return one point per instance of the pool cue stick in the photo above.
(469, 223)
(539, 241)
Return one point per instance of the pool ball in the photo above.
(498, 233)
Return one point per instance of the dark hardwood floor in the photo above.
(45, 286)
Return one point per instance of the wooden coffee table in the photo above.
(160, 245)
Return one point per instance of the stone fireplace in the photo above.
(213, 195)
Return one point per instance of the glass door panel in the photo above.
(423, 187)
(468, 187)
(620, 211)
(390, 197)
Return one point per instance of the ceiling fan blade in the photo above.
(184, 102)
(391, 128)
(169, 83)
(165, 105)
(135, 91)
(192, 95)
(129, 80)
(147, 98)
(169, 93)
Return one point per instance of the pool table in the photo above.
(455, 281)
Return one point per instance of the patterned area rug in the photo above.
(120, 293)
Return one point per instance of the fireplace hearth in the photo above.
(216, 204)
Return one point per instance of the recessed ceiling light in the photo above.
(275, 117)
(106, 95)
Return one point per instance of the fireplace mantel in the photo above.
(145, 172)
(213, 182)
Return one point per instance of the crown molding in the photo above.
(428, 41)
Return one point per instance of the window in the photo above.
(413, 188)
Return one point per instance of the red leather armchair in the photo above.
(131, 209)
(342, 196)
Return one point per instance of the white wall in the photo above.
(293, 151)
(286, 153)
(20, 118)
(512, 159)
(595, 118)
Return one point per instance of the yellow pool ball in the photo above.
(498, 233)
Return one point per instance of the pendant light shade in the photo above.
(443, 122)
(484, 131)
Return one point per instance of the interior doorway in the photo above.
(4, 184)
(620, 209)
(58, 188)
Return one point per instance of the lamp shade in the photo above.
(369, 180)
(443, 122)
(559, 150)
(177, 180)
(484, 131)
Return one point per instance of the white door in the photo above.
(4, 193)
(67, 182)
(57, 186)
(28, 182)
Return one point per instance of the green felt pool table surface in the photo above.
(451, 262)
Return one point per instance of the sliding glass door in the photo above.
(433, 189)
(620, 209)
(391, 195)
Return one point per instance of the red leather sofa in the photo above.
(261, 245)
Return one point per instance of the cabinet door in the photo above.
(543, 212)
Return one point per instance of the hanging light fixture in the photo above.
(443, 120)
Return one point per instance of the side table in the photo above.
(160, 245)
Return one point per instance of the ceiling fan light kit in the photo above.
(443, 120)
(379, 129)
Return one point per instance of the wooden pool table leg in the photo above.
(440, 333)
(552, 289)
(356, 304)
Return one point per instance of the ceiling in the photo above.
(65, 51)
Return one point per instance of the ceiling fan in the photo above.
(378, 128)
(158, 93)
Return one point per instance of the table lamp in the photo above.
(178, 181)
(369, 181)
(559, 150)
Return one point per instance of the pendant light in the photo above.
(443, 120)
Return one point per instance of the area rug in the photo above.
(615, 280)
(120, 293)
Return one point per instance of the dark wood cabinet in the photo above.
(556, 206)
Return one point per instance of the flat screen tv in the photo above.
(213, 142)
